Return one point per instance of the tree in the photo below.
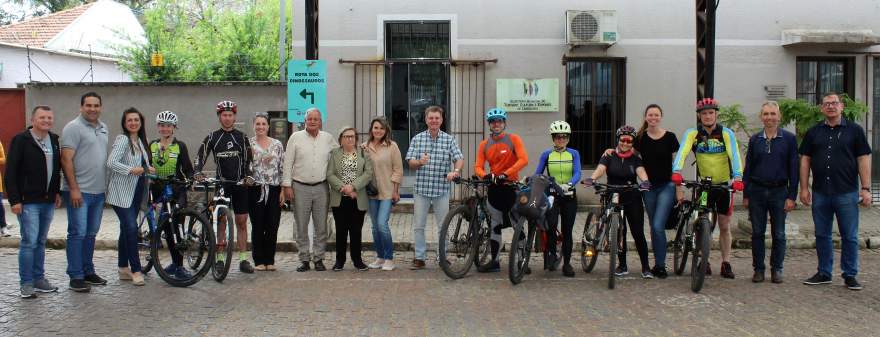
(206, 40)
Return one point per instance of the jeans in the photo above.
(761, 201)
(127, 245)
(83, 224)
(420, 210)
(380, 212)
(846, 207)
(658, 202)
(34, 221)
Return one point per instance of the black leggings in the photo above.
(635, 216)
(567, 208)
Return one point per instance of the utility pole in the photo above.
(311, 29)
(282, 41)
(706, 47)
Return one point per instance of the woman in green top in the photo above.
(170, 158)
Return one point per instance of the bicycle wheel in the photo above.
(186, 234)
(680, 246)
(700, 261)
(225, 250)
(456, 246)
(144, 237)
(520, 250)
(590, 242)
(483, 239)
(613, 245)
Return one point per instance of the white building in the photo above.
(75, 45)
(410, 54)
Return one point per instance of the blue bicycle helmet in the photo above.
(496, 113)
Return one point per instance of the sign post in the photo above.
(306, 88)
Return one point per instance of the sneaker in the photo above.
(659, 272)
(388, 265)
(621, 270)
(137, 279)
(303, 267)
(376, 264)
(5, 232)
(646, 274)
(125, 274)
(818, 278)
(43, 286)
(96, 280)
(182, 274)
(260, 267)
(359, 265)
(80, 286)
(417, 265)
(492, 267)
(776, 276)
(245, 267)
(567, 270)
(727, 270)
(852, 283)
(708, 269)
(27, 291)
(319, 266)
(758, 277)
(219, 265)
(338, 266)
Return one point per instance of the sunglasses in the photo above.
(560, 136)
(626, 140)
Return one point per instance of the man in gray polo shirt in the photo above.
(84, 160)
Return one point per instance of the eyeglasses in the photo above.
(348, 136)
(560, 136)
(626, 140)
(830, 104)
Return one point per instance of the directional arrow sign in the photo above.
(306, 88)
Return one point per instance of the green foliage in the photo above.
(204, 40)
(732, 117)
(805, 115)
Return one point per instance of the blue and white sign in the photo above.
(306, 88)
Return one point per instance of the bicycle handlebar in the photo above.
(706, 184)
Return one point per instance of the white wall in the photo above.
(59, 67)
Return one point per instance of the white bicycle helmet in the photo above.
(560, 127)
(166, 117)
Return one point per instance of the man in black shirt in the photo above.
(232, 156)
(837, 152)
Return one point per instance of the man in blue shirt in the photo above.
(771, 179)
(837, 152)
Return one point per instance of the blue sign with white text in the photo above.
(306, 88)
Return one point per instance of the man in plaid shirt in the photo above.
(431, 154)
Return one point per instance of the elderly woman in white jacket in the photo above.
(128, 163)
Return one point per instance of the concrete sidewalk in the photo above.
(799, 230)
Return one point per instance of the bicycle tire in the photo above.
(590, 242)
(228, 251)
(520, 252)
(200, 241)
(701, 255)
(613, 227)
(457, 248)
(681, 246)
(144, 237)
(483, 239)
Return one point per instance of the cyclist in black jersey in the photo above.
(232, 157)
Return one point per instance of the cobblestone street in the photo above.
(427, 303)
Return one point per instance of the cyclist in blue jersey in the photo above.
(564, 165)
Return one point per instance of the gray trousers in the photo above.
(310, 202)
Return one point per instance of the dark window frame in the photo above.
(388, 31)
(849, 68)
(589, 157)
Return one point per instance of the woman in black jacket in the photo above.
(33, 182)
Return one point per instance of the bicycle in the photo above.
(695, 236)
(534, 199)
(607, 224)
(186, 234)
(217, 211)
(465, 232)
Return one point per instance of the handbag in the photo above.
(371, 189)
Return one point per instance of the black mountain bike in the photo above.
(693, 235)
(603, 232)
(219, 211)
(464, 234)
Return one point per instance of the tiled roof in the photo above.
(37, 31)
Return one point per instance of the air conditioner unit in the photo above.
(591, 27)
